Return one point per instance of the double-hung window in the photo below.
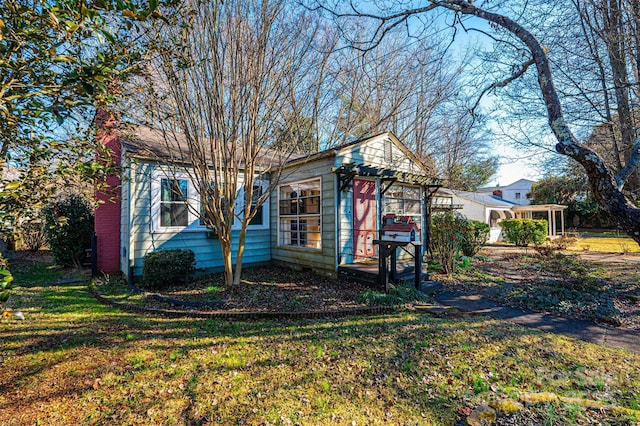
(299, 214)
(174, 210)
(173, 200)
(258, 219)
(404, 200)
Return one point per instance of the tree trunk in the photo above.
(228, 265)
(601, 179)
(237, 274)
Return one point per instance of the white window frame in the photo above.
(264, 184)
(193, 222)
(280, 217)
(404, 200)
(194, 204)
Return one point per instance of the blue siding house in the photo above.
(325, 211)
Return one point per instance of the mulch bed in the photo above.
(263, 289)
(603, 288)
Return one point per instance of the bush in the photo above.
(523, 232)
(163, 268)
(69, 227)
(474, 236)
(447, 234)
(33, 235)
(552, 247)
(397, 295)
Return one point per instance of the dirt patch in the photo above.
(602, 287)
(263, 289)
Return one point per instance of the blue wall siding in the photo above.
(207, 250)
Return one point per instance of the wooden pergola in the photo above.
(552, 210)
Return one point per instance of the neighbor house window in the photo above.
(517, 195)
(299, 214)
(174, 211)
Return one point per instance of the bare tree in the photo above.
(226, 80)
(409, 86)
(605, 184)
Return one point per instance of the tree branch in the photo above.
(519, 73)
(631, 165)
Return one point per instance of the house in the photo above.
(515, 192)
(483, 207)
(491, 209)
(325, 212)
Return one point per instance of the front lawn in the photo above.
(607, 242)
(74, 361)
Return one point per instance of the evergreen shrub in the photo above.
(523, 232)
(68, 228)
(164, 268)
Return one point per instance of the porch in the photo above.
(367, 272)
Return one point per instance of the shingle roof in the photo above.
(142, 141)
(487, 200)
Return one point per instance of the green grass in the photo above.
(74, 361)
(605, 242)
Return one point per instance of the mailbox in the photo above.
(403, 229)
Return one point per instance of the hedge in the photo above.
(523, 232)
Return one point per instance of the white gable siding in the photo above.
(373, 153)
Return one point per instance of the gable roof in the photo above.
(332, 152)
(523, 181)
(486, 200)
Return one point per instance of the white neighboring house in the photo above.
(491, 209)
(482, 207)
(515, 192)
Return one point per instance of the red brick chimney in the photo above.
(498, 193)
(107, 215)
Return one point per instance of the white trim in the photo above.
(193, 204)
(319, 215)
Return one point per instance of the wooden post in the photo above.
(417, 263)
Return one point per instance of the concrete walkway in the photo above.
(578, 329)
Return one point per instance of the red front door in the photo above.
(365, 213)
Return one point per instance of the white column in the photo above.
(549, 219)
(562, 220)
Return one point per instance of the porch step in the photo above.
(368, 275)
(359, 276)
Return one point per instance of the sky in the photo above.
(515, 162)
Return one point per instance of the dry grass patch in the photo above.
(605, 242)
(73, 361)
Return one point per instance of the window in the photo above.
(404, 200)
(299, 214)
(261, 218)
(517, 195)
(174, 210)
(258, 219)
(204, 200)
